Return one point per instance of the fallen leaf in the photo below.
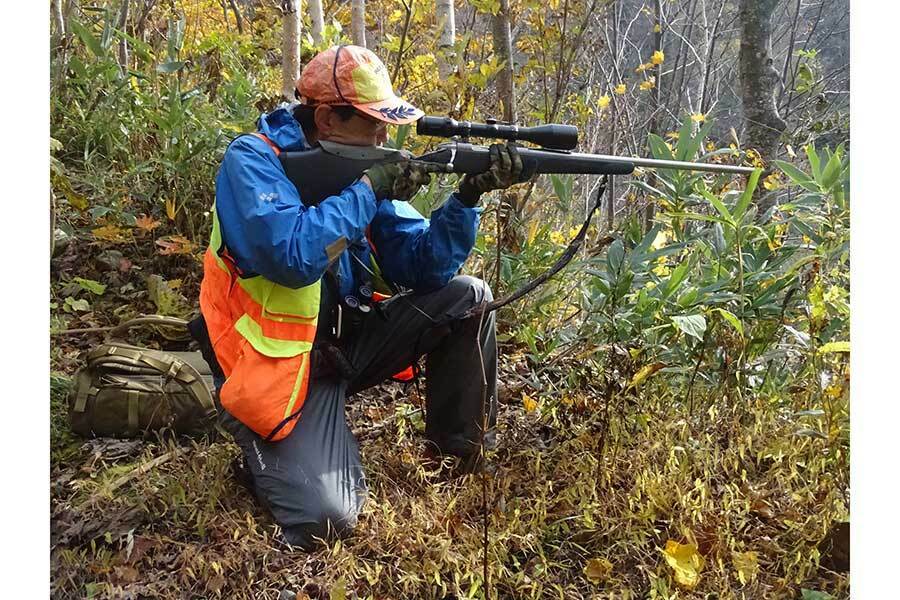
(528, 402)
(146, 223)
(685, 561)
(746, 566)
(94, 287)
(125, 574)
(110, 233)
(598, 570)
(175, 244)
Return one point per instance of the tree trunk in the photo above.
(59, 23)
(508, 211)
(759, 80)
(650, 209)
(317, 20)
(446, 18)
(614, 122)
(358, 22)
(506, 93)
(123, 44)
(290, 61)
(237, 15)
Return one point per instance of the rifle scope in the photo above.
(558, 137)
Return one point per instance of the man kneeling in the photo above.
(300, 306)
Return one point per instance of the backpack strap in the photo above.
(266, 139)
(171, 367)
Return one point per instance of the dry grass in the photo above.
(564, 488)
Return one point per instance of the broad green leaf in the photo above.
(744, 202)
(798, 177)
(614, 257)
(692, 325)
(562, 187)
(831, 172)
(676, 279)
(87, 37)
(170, 67)
(719, 206)
(644, 245)
(732, 319)
(94, 287)
(688, 148)
(813, 157)
(658, 147)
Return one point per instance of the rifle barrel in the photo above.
(655, 163)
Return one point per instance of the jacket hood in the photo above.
(282, 128)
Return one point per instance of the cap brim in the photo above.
(392, 110)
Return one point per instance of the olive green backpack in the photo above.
(128, 391)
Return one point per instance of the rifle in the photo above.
(330, 167)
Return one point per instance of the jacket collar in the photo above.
(282, 128)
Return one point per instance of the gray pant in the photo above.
(312, 481)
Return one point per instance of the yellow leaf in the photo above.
(598, 570)
(835, 347)
(620, 89)
(658, 57)
(698, 117)
(170, 208)
(746, 566)
(657, 28)
(773, 181)
(532, 231)
(603, 101)
(528, 402)
(685, 561)
(661, 239)
(110, 233)
(644, 372)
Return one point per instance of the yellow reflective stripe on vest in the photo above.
(252, 332)
(298, 384)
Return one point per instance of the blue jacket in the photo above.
(268, 230)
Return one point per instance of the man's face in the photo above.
(358, 130)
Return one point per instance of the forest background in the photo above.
(676, 405)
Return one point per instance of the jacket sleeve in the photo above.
(419, 253)
(266, 227)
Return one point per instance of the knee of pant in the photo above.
(330, 522)
(466, 284)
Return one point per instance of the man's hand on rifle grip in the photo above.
(505, 170)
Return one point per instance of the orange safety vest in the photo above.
(262, 334)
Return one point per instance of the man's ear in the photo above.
(322, 117)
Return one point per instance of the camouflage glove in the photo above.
(505, 170)
(383, 176)
(399, 180)
(414, 176)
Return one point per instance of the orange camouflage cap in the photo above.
(352, 75)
